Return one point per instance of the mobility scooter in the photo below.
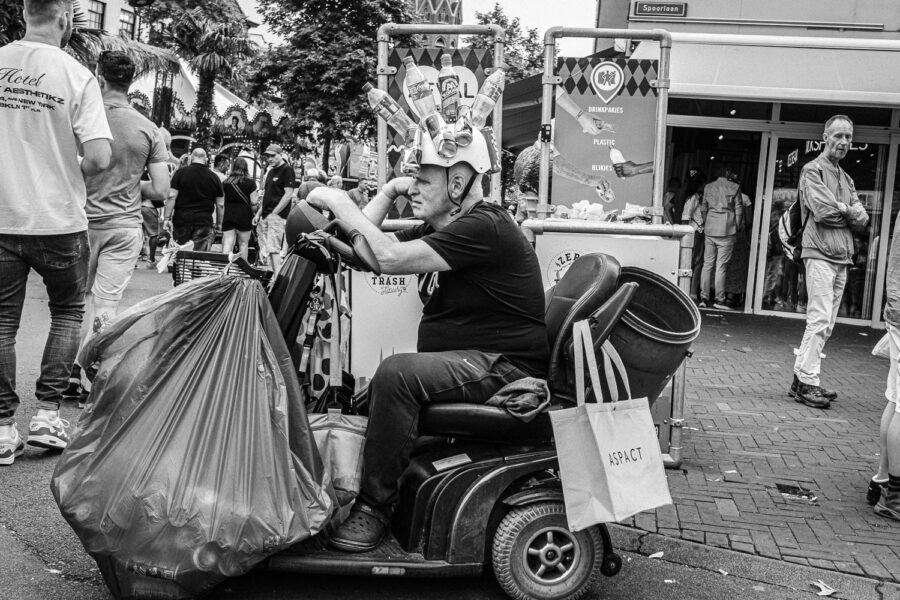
(483, 488)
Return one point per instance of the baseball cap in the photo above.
(273, 149)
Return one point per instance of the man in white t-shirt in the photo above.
(54, 132)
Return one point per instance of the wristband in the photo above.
(578, 116)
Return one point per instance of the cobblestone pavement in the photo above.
(765, 475)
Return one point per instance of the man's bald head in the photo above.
(198, 155)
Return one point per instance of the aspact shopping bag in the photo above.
(341, 439)
(609, 458)
(194, 459)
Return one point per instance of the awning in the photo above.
(848, 71)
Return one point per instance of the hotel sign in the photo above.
(660, 9)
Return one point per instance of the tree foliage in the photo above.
(212, 36)
(330, 52)
(524, 49)
(86, 44)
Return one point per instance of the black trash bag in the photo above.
(193, 460)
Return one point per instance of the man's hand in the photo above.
(594, 125)
(167, 225)
(398, 186)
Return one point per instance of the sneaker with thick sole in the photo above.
(831, 395)
(873, 494)
(811, 395)
(889, 504)
(722, 306)
(704, 303)
(11, 445)
(48, 432)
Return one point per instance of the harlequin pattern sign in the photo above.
(608, 117)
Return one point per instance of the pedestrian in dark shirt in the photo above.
(196, 193)
(276, 204)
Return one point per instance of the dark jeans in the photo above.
(62, 261)
(203, 235)
(404, 383)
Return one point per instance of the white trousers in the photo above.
(825, 282)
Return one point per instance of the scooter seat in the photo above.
(483, 422)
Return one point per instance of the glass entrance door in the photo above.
(781, 286)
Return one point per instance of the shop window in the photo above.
(818, 113)
(96, 15)
(719, 108)
(127, 24)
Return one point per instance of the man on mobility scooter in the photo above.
(483, 318)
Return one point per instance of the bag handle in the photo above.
(611, 359)
(583, 342)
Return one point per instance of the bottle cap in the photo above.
(367, 87)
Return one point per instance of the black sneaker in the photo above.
(811, 395)
(873, 494)
(831, 395)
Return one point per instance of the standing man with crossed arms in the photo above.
(829, 209)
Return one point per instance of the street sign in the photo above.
(660, 9)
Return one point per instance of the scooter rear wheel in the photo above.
(536, 557)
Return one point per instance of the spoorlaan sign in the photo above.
(660, 9)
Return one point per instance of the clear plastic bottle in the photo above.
(487, 97)
(448, 87)
(387, 108)
(615, 156)
(462, 129)
(411, 158)
(420, 93)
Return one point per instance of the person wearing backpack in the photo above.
(723, 214)
(830, 209)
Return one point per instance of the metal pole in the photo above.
(662, 109)
(381, 143)
(549, 81)
(497, 178)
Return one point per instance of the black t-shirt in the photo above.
(278, 179)
(492, 299)
(239, 198)
(198, 187)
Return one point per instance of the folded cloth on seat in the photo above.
(524, 398)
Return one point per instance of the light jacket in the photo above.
(827, 236)
(722, 208)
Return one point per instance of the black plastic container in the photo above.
(656, 332)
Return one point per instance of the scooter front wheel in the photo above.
(536, 557)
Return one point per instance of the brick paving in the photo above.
(744, 436)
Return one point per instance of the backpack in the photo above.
(790, 231)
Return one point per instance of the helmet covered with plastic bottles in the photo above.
(476, 154)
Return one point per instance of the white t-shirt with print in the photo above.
(49, 105)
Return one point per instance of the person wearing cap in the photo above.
(482, 325)
(276, 204)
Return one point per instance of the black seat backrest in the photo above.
(588, 283)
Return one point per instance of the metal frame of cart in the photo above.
(671, 423)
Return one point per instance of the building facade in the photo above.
(752, 83)
(440, 12)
